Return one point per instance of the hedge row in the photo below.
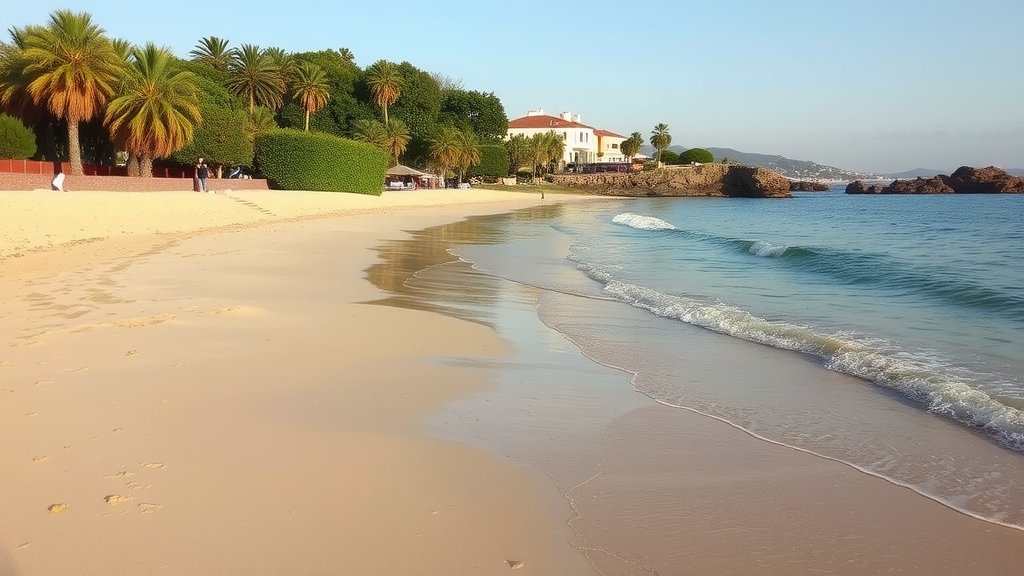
(493, 162)
(295, 160)
(16, 141)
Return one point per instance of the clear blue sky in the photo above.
(872, 85)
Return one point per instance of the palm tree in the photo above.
(631, 146)
(156, 109)
(260, 120)
(347, 54)
(70, 69)
(397, 138)
(554, 144)
(518, 149)
(14, 96)
(213, 51)
(255, 77)
(310, 88)
(385, 84)
(445, 148)
(660, 138)
(371, 132)
(469, 152)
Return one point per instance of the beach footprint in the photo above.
(148, 508)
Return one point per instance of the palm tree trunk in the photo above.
(146, 166)
(307, 120)
(132, 165)
(385, 114)
(74, 149)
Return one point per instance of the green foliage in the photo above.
(669, 157)
(483, 114)
(294, 160)
(16, 141)
(696, 155)
(493, 162)
(221, 138)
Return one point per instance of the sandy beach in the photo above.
(190, 386)
(195, 384)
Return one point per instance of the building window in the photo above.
(615, 146)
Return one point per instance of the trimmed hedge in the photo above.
(16, 141)
(493, 162)
(296, 160)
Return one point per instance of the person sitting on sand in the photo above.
(58, 182)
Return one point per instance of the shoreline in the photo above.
(218, 389)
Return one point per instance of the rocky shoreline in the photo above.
(727, 180)
(965, 180)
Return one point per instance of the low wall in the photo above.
(123, 183)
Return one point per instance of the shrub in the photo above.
(669, 157)
(295, 160)
(493, 162)
(221, 138)
(16, 141)
(696, 155)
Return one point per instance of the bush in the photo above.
(295, 160)
(696, 155)
(669, 157)
(221, 138)
(16, 141)
(493, 162)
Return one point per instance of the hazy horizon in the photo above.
(874, 86)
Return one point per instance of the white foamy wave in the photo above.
(642, 222)
(766, 250)
(914, 375)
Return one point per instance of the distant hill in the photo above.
(806, 170)
(793, 169)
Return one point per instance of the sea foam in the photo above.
(642, 222)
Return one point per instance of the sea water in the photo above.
(902, 316)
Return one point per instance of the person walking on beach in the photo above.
(202, 174)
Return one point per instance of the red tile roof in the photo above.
(607, 133)
(544, 122)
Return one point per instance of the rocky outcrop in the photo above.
(991, 180)
(805, 186)
(705, 180)
(965, 180)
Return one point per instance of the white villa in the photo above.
(583, 144)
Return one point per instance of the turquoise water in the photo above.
(883, 332)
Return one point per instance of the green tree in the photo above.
(518, 149)
(214, 52)
(631, 146)
(225, 137)
(371, 132)
(669, 157)
(396, 138)
(385, 83)
(71, 68)
(347, 55)
(309, 88)
(260, 121)
(697, 155)
(660, 138)
(445, 148)
(481, 113)
(544, 149)
(255, 76)
(156, 108)
(16, 141)
(469, 152)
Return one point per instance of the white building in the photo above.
(583, 144)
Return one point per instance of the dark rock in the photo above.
(965, 180)
(991, 180)
(805, 186)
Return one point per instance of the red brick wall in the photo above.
(10, 181)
